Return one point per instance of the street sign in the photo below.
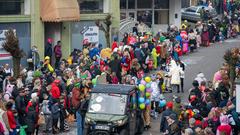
(92, 34)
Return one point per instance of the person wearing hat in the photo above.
(20, 103)
(195, 93)
(167, 112)
(48, 48)
(55, 91)
(173, 125)
(47, 65)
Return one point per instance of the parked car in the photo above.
(113, 109)
(193, 13)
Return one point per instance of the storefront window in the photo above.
(161, 4)
(123, 16)
(91, 6)
(11, 7)
(144, 3)
(131, 4)
(145, 17)
(161, 17)
(123, 4)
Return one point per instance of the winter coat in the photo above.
(46, 107)
(155, 57)
(11, 119)
(48, 50)
(55, 109)
(55, 91)
(58, 51)
(31, 119)
(4, 121)
(155, 91)
(76, 100)
(20, 105)
(175, 72)
(164, 123)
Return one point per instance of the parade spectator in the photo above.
(58, 54)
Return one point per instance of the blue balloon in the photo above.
(141, 100)
(147, 102)
(162, 103)
(148, 85)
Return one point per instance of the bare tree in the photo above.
(105, 28)
(11, 45)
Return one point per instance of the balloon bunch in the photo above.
(145, 93)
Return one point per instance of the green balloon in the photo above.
(94, 81)
(142, 106)
(148, 94)
(141, 87)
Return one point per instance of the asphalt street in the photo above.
(206, 60)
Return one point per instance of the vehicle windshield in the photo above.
(106, 103)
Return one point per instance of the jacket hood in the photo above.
(200, 75)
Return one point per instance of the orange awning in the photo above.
(59, 10)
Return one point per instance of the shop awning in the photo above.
(59, 10)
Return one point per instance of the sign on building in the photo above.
(4, 55)
(92, 34)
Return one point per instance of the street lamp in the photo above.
(237, 82)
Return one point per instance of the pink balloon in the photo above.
(149, 90)
(143, 82)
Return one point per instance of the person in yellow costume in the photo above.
(47, 64)
(184, 25)
(155, 57)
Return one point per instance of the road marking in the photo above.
(193, 60)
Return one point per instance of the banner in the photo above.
(4, 55)
(91, 34)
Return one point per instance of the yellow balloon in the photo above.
(147, 79)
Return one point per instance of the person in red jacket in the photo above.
(11, 119)
(55, 91)
(114, 44)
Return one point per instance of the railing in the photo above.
(127, 24)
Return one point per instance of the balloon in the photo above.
(148, 85)
(147, 79)
(162, 103)
(148, 94)
(143, 82)
(142, 106)
(149, 90)
(147, 102)
(94, 81)
(141, 87)
(141, 100)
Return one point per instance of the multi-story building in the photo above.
(157, 14)
(69, 20)
(37, 20)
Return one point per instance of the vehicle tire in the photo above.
(123, 132)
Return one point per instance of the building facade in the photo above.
(157, 14)
(35, 22)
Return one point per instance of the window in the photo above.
(145, 17)
(131, 4)
(123, 16)
(161, 4)
(11, 7)
(123, 4)
(91, 6)
(161, 17)
(144, 3)
(191, 9)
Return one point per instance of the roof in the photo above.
(59, 10)
(113, 88)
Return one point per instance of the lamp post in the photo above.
(237, 82)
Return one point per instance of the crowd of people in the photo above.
(43, 92)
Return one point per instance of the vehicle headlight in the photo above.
(119, 122)
(87, 120)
